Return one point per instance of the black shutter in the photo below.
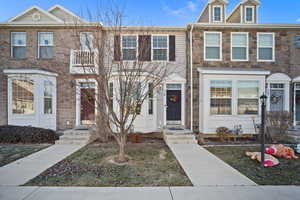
(117, 48)
(172, 48)
(144, 47)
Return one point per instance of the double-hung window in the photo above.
(160, 47)
(45, 44)
(249, 14)
(48, 97)
(239, 46)
(86, 41)
(150, 99)
(18, 44)
(217, 14)
(129, 47)
(22, 97)
(220, 97)
(248, 97)
(265, 47)
(213, 46)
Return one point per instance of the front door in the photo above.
(87, 106)
(173, 105)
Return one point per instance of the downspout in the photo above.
(191, 73)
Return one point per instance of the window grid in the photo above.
(18, 45)
(217, 14)
(249, 14)
(160, 47)
(235, 46)
(212, 46)
(129, 47)
(48, 97)
(221, 98)
(45, 46)
(22, 97)
(248, 104)
(261, 47)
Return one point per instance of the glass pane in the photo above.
(248, 89)
(160, 41)
(276, 100)
(239, 53)
(48, 106)
(248, 106)
(265, 40)
(249, 14)
(265, 53)
(129, 54)
(23, 97)
(19, 39)
(174, 86)
(150, 107)
(212, 53)
(239, 40)
(212, 39)
(277, 85)
(19, 52)
(48, 89)
(297, 102)
(221, 89)
(217, 13)
(160, 54)
(220, 106)
(46, 39)
(46, 52)
(86, 41)
(129, 42)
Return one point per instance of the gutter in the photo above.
(191, 74)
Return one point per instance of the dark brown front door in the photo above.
(173, 105)
(87, 105)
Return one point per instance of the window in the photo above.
(160, 47)
(129, 47)
(150, 99)
(248, 97)
(266, 46)
(217, 14)
(220, 97)
(239, 46)
(297, 42)
(277, 96)
(18, 44)
(45, 49)
(249, 14)
(111, 94)
(86, 41)
(48, 95)
(23, 97)
(213, 46)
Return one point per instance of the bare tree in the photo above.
(125, 79)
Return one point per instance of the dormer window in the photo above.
(217, 13)
(249, 14)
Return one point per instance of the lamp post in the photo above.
(263, 99)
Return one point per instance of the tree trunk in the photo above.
(121, 156)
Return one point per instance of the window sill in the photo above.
(266, 61)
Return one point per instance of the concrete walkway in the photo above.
(149, 193)
(205, 169)
(23, 170)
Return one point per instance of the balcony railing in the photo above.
(82, 61)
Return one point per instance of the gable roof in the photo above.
(257, 2)
(224, 1)
(54, 18)
(210, 2)
(66, 11)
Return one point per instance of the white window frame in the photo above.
(253, 14)
(136, 48)
(220, 46)
(259, 46)
(13, 45)
(247, 47)
(221, 13)
(48, 97)
(237, 97)
(86, 32)
(44, 45)
(152, 48)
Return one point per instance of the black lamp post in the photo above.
(263, 99)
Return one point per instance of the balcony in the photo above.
(83, 62)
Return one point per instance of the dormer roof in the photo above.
(65, 14)
(205, 13)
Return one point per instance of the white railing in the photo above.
(83, 61)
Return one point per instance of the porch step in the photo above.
(75, 136)
(179, 136)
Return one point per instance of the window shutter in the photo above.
(144, 47)
(117, 48)
(172, 48)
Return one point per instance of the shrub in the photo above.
(222, 132)
(26, 134)
(278, 123)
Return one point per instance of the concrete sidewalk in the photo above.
(149, 193)
(205, 169)
(22, 170)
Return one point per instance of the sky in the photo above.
(156, 12)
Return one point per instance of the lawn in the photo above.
(287, 173)
(12, 152)
(150, 165)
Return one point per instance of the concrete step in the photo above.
(293, 138)
(71, 142)
(181, 141)
(74, 137)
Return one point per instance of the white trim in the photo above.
(247, 47)
(45, 45)
(136, 48)
(152, 48)
(29, 71)
(232, 72)
(39, 9)
(259, 46)
(12, 45)
(67, 11)
(253, 14)
(220, 46)
(221, 13)
(191, 78)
